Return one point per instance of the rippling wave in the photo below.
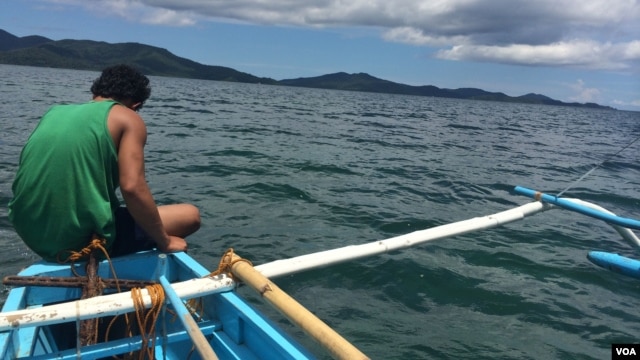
(279, 172)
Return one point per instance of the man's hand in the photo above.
(175, 244)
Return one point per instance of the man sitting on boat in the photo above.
(64, 191)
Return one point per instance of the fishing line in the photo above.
(597, 166)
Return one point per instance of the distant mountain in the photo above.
(11, 42)
(363, 82)
(95, 55)
(368, 83)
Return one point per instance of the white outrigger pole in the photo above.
(353, 252)
(544, 202)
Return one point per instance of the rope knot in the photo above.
(97, 243)
(226, 264)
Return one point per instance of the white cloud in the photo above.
(584, 94)
(414, 36)
(574, 53)
(136, 11)
(595, 34)
(169, 17)
(631, 105)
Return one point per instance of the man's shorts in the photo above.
(130, 237)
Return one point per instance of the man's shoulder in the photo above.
(125, 119)
(84, 105)
(74, 109)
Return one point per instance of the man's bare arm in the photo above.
(133, 183)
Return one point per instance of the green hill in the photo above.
(151, 60)
(95, 55)
(367, 83)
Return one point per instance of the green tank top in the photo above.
(64, 189)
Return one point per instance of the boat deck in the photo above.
(232, 327)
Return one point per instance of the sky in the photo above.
(570, 50)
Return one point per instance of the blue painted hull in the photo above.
(616, 263)
(233, 328)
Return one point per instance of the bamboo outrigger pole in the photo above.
(298, 314)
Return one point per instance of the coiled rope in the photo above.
(146, 319)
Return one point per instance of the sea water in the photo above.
(279, 172)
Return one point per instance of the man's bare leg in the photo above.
(180, 220)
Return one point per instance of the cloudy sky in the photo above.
(570, 50)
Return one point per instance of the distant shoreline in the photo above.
(91, 55)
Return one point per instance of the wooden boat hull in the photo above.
(231, 326)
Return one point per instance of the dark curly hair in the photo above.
(122, 83)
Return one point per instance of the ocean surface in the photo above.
(279, 172)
